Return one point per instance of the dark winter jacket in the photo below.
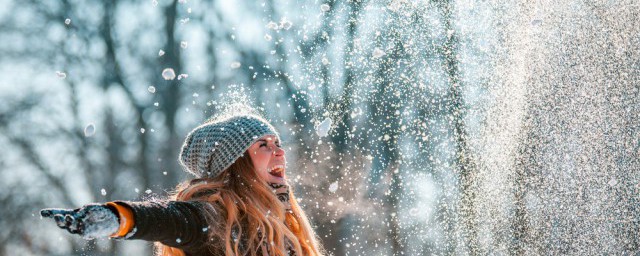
(183, 225)
(179, 224)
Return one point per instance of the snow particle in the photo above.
(103, 192)
(61, 75)
(285, 23)
(160, 53)
(267, 37)
(377, 53)
(235, 64)
(151, 89)
(272, 25)
(323, 128)
(168, 74)
(142, 130)
(67, 21)
(450, 33)
(89, 130)
(148, 191)
(536, 22)
(325, 7)
(333, 187)
(183, 44)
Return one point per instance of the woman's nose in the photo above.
(279, 152)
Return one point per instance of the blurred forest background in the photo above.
(455, 127)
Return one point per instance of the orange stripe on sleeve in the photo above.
(126, 219)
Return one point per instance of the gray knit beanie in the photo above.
(213, 146)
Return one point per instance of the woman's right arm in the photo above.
(177, 224)
(180, 224)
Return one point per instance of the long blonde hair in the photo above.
(246, 201)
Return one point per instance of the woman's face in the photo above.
(268, 159)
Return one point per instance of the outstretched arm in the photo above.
(180, 224)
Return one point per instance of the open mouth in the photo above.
(277, 170)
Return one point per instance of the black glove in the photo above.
(90, 221)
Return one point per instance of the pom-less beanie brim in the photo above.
(214, 146)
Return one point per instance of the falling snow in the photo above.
(377, 53)
(323, 128)
(168, 74)
(333, 187)
(410, 127)
(89, 130)
(61, 75)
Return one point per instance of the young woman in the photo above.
(238, 204)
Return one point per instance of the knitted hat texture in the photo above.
(213, 146)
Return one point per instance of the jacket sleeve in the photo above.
(180, 224)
